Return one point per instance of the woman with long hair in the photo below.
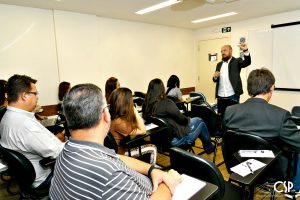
(173, 87)
(185, 130)
(126, 121)
(111, 84)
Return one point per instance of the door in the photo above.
(206, 68)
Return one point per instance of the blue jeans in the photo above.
(234, 98)
(198, 129)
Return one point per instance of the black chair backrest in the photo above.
(138, 101)
(198, 167)
(209, 116)
(139, 94)
(19, 167)
(65, 124)
(2, 112)
(161, 139)
(223, 103)
(296, 111)
(110, 142)
(198, 94)
(233, 141)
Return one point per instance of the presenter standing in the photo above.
(227, 75)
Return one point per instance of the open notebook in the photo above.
(187, 188)
(50, 120)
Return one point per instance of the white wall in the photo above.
(66, 46)
(27, 47)
(241, 29)
(54, 46)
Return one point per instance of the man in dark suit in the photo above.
(227, 74)
(256, 116)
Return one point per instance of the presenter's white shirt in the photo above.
(225, 87)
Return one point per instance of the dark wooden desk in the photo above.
(249, 180)
(207, 192)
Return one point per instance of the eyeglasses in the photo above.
(107, 106)
(35, 93)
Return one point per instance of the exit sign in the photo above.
(226, 29)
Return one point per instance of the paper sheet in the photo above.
(187, 188)
(2, 166)
(150, 126)
(243, 169)
(256, 153)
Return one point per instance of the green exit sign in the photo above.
(226, 29)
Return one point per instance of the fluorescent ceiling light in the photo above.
(214, 17)
(157, 6)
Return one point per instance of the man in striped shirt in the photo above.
(86, 169)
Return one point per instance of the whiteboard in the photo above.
(286, 69)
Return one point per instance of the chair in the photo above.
(212, 121)
(65, 124)
(21, 169)
(198, 94)
(203, 169)
(110, 142)
(296, 111)
(139, 94)
(234, 141)
(223, 103)
(162, 140)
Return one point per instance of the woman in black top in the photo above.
(185, 130)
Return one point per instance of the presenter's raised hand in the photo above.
(243, 46)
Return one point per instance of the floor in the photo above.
(163, 161)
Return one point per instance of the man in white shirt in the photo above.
(20, 131)
(227, 74)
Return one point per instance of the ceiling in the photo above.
(176, 15)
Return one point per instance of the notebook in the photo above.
(187, 188)
(50, 120)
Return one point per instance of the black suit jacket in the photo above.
(274, 124)
(234, 69)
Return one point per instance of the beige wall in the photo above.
(54, 46)
(241, 29)
(85, 48)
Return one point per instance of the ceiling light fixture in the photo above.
(157, 6)
(214, 17)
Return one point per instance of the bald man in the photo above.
(227, 74)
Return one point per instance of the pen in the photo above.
(248, 164)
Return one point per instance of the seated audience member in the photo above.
(63, 89)
(111, 84)
(173, 87)
(126, 121)
(86, 169)
(20, 131)
(185, 130)
(3, 100)
(256, 116)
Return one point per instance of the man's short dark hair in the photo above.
(260, 81)
(18, 84)
(83, 106)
